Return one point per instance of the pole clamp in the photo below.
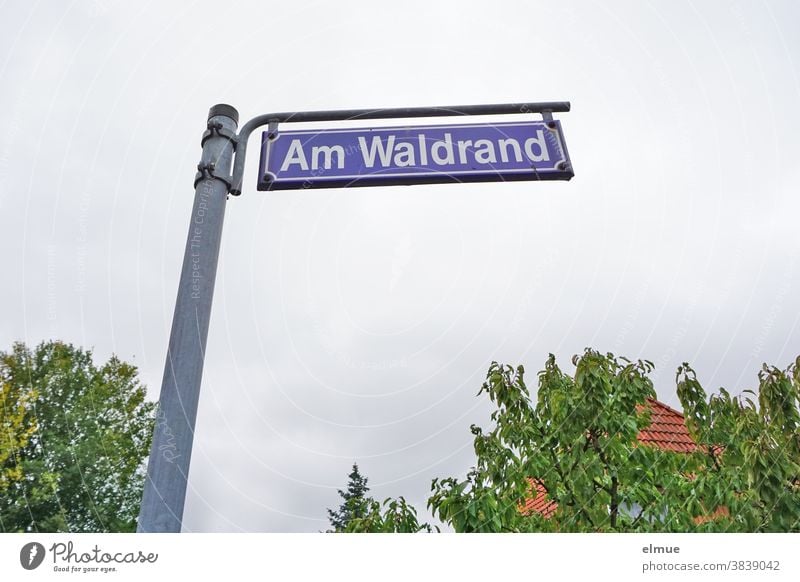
(205, 171)
(216, 129)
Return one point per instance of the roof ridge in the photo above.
(667, 406)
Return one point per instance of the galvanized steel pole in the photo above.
(171, 452)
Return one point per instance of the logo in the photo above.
(31, 555)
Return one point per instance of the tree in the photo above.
(392, 516)
(361, 514)
(78, 461)
(749, 458)
(355, 503)
(16, 428)
(579, 444)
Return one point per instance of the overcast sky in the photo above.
(357, 325)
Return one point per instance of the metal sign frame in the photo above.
(500, 157)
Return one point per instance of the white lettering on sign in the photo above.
(369, 154)
(543, 155)
(406, 157)
(447, 146)
(386, 151)
(504, 143)
(295, 155)
(484, 152)
(328, 153)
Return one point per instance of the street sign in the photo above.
(320, 159)
(344, 158)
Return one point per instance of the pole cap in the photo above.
(224, 109)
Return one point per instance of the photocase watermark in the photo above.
(66, 558)
(169, 448)
(196, 238)
(31, 555)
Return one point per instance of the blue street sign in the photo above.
(342, 158)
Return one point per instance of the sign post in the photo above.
(316, 159)
(171, 451)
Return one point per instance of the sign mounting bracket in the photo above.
(543, 108)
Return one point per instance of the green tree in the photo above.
(392, 516)
(749, 458)
(579, 440)
(16, 428)
(360, 513)
(355, 503)
(80, 466)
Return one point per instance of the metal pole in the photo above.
(168, 468)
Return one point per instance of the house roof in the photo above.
(667, 431)
(539, 502)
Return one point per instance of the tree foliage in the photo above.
(391, 516)
(16, 428)
(355, 502)
(749, 459)
(75, 437)
(579, 440)
(360, 513)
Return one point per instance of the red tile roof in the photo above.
(667, 431)
(539, 503)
